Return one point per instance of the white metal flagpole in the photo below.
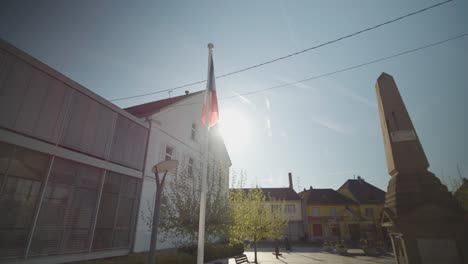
(201, 224)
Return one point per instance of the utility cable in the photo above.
(336, 71)
(289, 55)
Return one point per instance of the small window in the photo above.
(193, 134)
(315, 211)
(369, 212)
(190, 167)
(169, 153)
(290, 208)
(332, 211)
(275, 207)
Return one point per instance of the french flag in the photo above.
(210, 96)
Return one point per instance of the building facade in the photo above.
(330, 215)
(292, 207)
(371, 201)
(176, 133)
(351, 213)
(71, 165)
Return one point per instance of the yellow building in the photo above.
(350, 213)
(370, 200)
(330, 215)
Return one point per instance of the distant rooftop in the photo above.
(364, 192)
(150, 108)
(324, 196)
(278, 193)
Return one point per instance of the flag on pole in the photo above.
(209, 118)
(210, 98)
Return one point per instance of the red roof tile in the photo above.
(325, 196)
(364, 192)
(150, 108)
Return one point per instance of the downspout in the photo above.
(135, 225)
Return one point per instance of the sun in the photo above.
(235, 129)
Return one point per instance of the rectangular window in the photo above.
(190, 167)
(332, 211)
(369, 212)
(117, 212)
(169, 153)
(290, 208)
(193, 134)
(22, 173)
(275, 207)
(68, 209)
(315, 211)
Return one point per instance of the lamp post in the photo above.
(163, 166)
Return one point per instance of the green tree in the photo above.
(253, 217)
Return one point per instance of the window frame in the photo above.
(190, 166)
(193, 132)
(290, 208)
(332, 211)
(166, 154)
(369, 212)
(315, 211)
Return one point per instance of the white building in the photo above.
(177, 134)
(292, 207)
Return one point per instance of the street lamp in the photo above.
(163, 166)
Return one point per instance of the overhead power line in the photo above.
(336, 71)
(350, 68)
(289, 55)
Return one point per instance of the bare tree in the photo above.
(181, 204)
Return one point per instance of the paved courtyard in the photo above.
(311, 255)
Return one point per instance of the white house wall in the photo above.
(172, 127)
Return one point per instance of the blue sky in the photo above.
(324, 131)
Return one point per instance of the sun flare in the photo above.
(235, 129)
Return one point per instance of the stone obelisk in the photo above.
(424, 221)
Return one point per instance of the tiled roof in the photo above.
(364, 192)
(150, 108)
(325, 196)
(278, 193)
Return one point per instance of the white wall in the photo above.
(297, 215)
(172, 126)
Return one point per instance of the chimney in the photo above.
(310, 188)
(360, 179)
(187, 92)
(290, 180)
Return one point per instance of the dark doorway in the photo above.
(354, 232)
(317, 228)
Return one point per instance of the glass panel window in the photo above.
(68, 209)
(19, 197)
(369, 212)
(332, 211)
(117, 212)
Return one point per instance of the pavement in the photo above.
(312, 255)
